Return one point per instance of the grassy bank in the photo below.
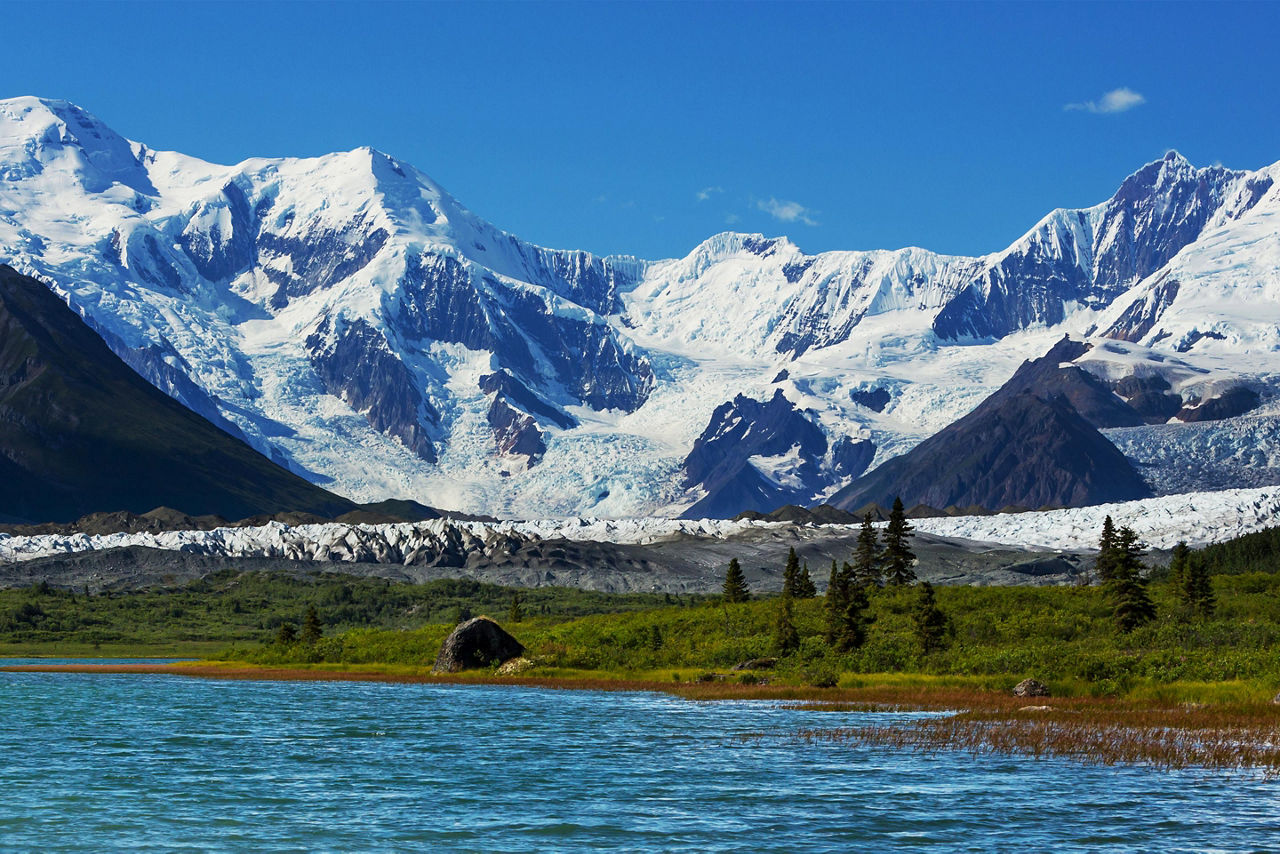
(996, 636)
(1067, 637)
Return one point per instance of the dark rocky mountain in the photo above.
(80, 431)
(756, 456)
(1034, 443)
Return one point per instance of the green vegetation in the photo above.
(993, 637)
(255, 607)
(1193, 639)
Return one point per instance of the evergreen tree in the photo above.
(846, 610)
(311, 628)
(735, 583)
(288, 634)
(853, 628)
(1125, 586)
(930, 622)
(791, 574)
(1104, 566)
(805, 588)
(515, 612)
(655, 637)
(1197, 589)
(785, 637)
(1178, 565)
(837, 601)
(898, 557)
(867, 555)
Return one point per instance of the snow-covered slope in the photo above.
(351, 319)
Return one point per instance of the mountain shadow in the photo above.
(80, 431)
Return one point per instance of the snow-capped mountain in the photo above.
(352, 320)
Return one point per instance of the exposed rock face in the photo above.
(355, 363)
(523, 397)
(445, 299)
(757, 456)
(875, 399)
(479, 642)
(515, 433)
(1031, 688)
(1229, 404)
(1028, 445)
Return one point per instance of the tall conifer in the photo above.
(898, 556)
(735, 583)
(867, 555)
(791, 574)
(805, 588)
(1125, 585)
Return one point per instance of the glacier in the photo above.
(1195, 518)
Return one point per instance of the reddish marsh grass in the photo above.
(1225, 738)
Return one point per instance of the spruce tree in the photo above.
(287, 635)
(1197, 589)
(785, 637)
(1104, 566)
(930, 622)
(853, 628)
(735, 583)
(791, 574)
(515, 612)
(867, 555)
(1178, 565)
(836, 601)
(1125, 586)
(898, 556)
(805, 588)
(311, 628)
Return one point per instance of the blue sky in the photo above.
(645, 128)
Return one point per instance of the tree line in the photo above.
(879, 561)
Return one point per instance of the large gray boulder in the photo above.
(1031, 688)
(478, 642)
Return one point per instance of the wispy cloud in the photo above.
(1116, 101)
(707, 192)
(732, 219)
(787, 211)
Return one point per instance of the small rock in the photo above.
(756, 664)
(1036, 709)
(1031, 688)
(478, 642)
(516, 666)
(1276, 699)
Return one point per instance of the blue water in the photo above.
(100, 762)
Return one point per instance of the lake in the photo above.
(96, 762)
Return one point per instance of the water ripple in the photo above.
(95, 763)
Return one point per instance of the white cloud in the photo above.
(787, 211)
(707, 192)
(732, 219)
(1115, 101)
